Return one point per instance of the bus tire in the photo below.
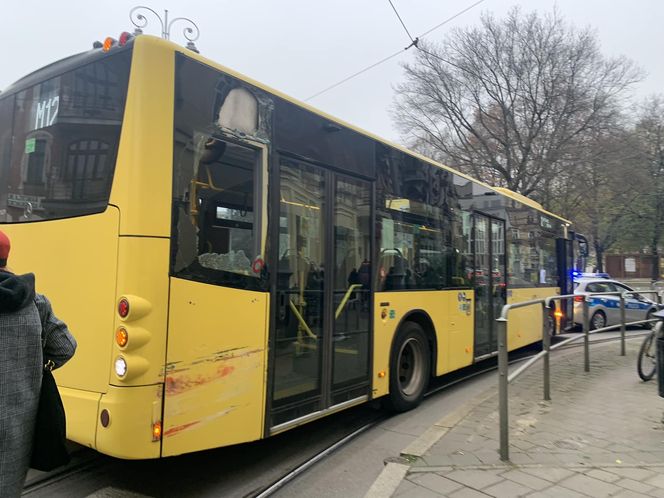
(410, 367)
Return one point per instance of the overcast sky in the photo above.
(302, 46)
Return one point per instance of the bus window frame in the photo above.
(260, 209)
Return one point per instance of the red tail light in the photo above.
(578, 299)
(123, 307)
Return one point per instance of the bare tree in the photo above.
(510, 101)
(649, 133)
(604, 183)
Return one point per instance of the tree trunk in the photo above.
(599, 255)
(655, 261)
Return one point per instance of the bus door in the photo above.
(488, 280)
(320, 337)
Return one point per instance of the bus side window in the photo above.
(225, 206)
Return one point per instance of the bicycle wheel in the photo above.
(647, 362)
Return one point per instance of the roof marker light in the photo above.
(124, 38)
(108, 43)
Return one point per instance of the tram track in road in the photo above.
(467, 374)
(83, 460)
(258, 469)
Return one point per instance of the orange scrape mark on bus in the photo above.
(226, 355)
(179, 428)
(178, 385)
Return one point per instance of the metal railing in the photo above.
(504, 379)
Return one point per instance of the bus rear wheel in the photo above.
(410, 367)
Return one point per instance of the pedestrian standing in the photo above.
(30, 335)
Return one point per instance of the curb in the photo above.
(393, 473)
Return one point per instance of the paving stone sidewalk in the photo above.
(601, 435)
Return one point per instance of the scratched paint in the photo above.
(178, 384)
(175, 367)
(198, 424)
(228, 354)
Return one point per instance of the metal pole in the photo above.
(165, 34)
(586, 336)
(622, 325)
(502, 389)
(546, 345)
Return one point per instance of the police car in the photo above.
(605, 310)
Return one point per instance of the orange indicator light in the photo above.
(381, 374)
(558, 314)
(156, 431)
(121, 337)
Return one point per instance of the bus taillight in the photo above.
(123, 307)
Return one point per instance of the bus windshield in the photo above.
(59, 140)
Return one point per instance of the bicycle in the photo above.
(646, 364)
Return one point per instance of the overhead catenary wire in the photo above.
(401, 21)
(414, 43)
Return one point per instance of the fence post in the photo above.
(622, 325)
(502, 389)
(546, 345)
(586, 338)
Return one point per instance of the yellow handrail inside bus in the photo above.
(343, 302)
(297, 314)
(194, 184)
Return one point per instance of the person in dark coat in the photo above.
(30, 335)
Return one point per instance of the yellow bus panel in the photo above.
(452, 312)
(216, 367)
(61, 262)
(143, 176)
(81, 409)
(132, 411)
(524, 325)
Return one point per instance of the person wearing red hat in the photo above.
(30, 335)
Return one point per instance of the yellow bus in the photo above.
(234, 263)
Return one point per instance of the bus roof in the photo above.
(71, 62)
(500, 190)
(59, 67)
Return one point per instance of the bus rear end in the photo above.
(70, 164)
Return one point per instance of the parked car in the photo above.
(605, 310)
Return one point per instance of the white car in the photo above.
(605, 310)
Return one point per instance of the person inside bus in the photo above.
(31, 335)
